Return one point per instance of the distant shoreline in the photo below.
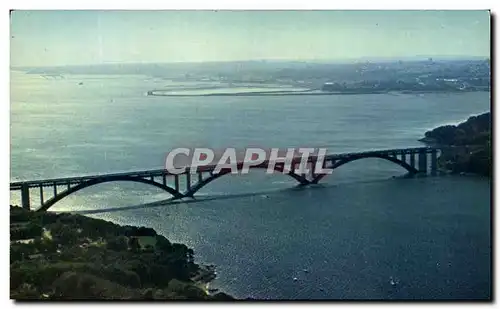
(297, 93)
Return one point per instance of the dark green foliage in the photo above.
(183, 288)
(73, 285)
(222, 296)
(19, 252)
(144, 231)
(27, 230)
(480, 161)
(26, 291)
(18, 214)
(138, 231)
(163, 244)
(471, 145)
(142, 270)
(119, 243)
(95, 259)
(64, 233)
(133, 244)
(120, 275)
(442, 134)
(475, 131)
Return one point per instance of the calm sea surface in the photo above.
(359, 235)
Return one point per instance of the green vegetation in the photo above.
(66, 256)
(469, 144)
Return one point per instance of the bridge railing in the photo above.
(399, 156)
(206, 168)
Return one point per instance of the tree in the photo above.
(133, 244)
(117, 243)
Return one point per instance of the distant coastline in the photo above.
(239, 94)
(312, 92)
(292, 78)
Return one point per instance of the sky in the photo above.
(53, 38)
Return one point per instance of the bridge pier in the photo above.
(176, 183)
(41, 195)
(188, 180)
(422, 161)
(434, 162)
(312, 170)
(25, 196)
(152, 177)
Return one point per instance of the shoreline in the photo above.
(466, 147)
(300, 93)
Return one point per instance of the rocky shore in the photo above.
(73, 257)
(466, 147)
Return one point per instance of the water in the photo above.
(359, 235)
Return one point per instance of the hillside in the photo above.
(66, 256)
(467, 145)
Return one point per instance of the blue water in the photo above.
(354, 234)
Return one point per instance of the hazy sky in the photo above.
(40, 38)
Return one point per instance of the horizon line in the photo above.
(319, 61)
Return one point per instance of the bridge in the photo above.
(414, 160)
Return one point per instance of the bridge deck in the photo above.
(207, 168)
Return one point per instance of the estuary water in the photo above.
(361, 234)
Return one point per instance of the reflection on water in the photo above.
(352, 238)
(361, 234)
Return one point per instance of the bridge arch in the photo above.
(50, 202)
(412, 170)
(301, 179)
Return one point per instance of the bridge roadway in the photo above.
(205, 174)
